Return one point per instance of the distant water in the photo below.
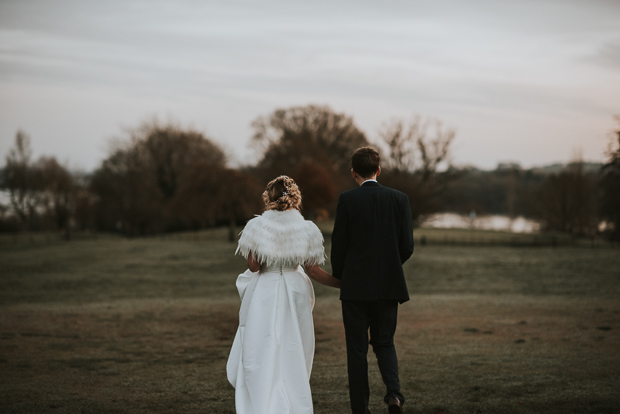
(487, 222)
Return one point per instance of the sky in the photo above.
(528, 81)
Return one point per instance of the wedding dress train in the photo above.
(271, 358)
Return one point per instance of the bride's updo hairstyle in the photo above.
(282, 194)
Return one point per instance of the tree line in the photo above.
(565, 198)
(162, 178)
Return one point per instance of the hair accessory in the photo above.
(290, 196)
(287, 186)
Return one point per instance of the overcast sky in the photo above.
(530, 81)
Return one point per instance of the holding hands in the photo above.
(321, 276)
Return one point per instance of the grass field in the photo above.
(119, 325)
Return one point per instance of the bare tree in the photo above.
(240, 198)
(610, 186)
(317, 188)
(416, 152)
(568, 201)
(22, 181)
(138, 185)
(310, 133)
(212, 194)
(127, 198)
(419, 146)
(85, 207)
(58, 193)
(170, 150)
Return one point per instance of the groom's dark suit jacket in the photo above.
(372, 238)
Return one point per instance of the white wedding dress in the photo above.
(271, 357)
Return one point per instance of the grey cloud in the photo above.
(435, 57)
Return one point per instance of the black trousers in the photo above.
(380, 318)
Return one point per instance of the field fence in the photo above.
(516, 241)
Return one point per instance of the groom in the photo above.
(372, 238)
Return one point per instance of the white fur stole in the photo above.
(282, 238)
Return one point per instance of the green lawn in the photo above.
(107, 324)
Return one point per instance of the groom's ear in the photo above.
(378, 170)
(353, 174)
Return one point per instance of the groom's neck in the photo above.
(362, 180)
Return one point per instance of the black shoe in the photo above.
(395, 406)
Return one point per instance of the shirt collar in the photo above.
(369, 180)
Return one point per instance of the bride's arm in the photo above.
(321, 276)
(253, 264)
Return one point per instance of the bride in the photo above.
(271, 357)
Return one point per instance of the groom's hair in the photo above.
(365, 161)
